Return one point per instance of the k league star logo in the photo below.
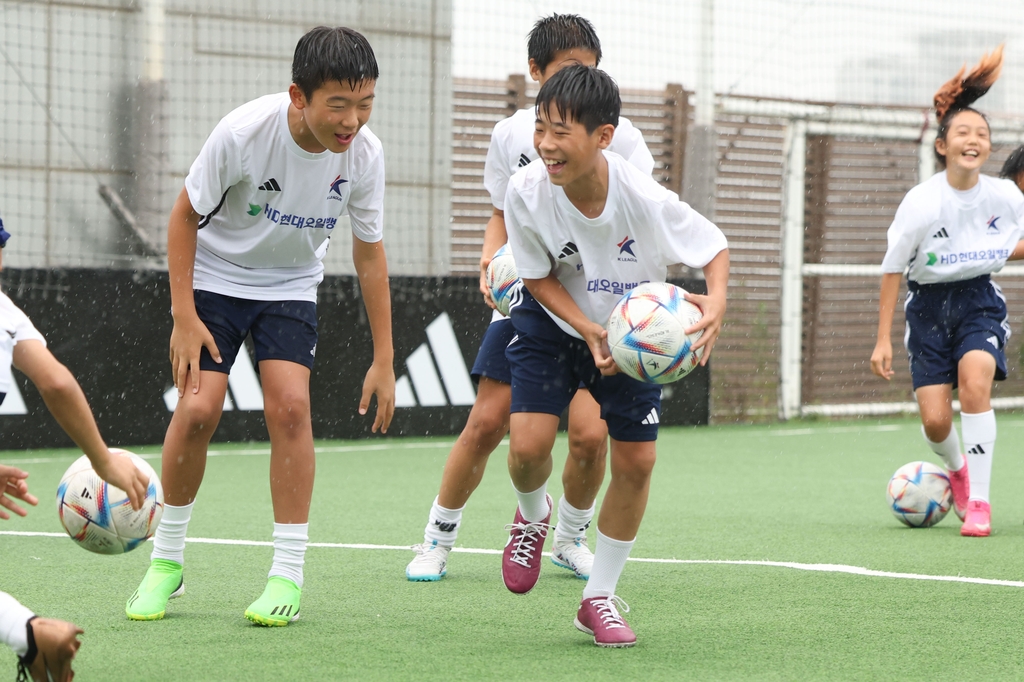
(626, 246)
(335, 192)
(992, 227)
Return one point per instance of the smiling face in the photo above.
(330, 118)
(967, 144)
(568, 151)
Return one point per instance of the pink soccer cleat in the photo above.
(520, 563)
(960, 484)
(978, 523)
(599, 617)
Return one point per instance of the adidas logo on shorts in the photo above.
(651, 418)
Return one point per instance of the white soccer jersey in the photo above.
(946, 235)
(512, 148)
(269, 206)
(15, 327)
(643, 229)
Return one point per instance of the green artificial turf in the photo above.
(810, 492)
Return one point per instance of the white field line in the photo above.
(820, 568)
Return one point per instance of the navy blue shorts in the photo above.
(548, 366)
(948, 319)
(281, 330)
(490, 359)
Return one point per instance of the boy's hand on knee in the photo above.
(188, 337)
(120, 471)
(380, 380)
(14, 487)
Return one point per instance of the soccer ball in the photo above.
(919, 494)
(645, 333)
(99, 516)
(503, 280)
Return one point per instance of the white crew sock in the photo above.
(979, 432)
(609, 561)
(442, 525)
(534, 506)
(572, 522)
(13, 620)
(290, 540)
(169, 541)
(948, 450)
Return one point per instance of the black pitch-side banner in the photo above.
(111, 328)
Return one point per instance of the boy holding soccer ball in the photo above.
(577, 217)
(245, 243)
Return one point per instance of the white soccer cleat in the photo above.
(573, 555)
(429, 564)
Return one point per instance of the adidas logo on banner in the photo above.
(425, 388)
(652, 418)
(270, 186)
(244, 392)
(941, 234)
(524, 160)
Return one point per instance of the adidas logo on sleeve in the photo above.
(270, 186)
(941, 234)
(524, 160)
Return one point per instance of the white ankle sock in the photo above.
(572, 522)
(290, 540)
(13, 619)
(980, 443)
(948, 450)
(534, 506)
(442, 525)
(609, 561)
(169, 541)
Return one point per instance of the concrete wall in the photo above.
(83, 62)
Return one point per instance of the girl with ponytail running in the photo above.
(953, 231)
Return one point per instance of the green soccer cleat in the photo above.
(163, 581)
(279, 604)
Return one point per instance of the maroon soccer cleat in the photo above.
(960, 484)
(598, 616)
(520, 563)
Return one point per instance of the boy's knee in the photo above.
(486, 426)
(588, 446)
(290, 410)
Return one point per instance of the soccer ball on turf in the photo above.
(99, 516)
(645, 333)
(919, 494)
(502, 279)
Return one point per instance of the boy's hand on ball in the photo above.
(596, 337)
(484, 289)
(14, 487)
(122, 473)
(713, 308)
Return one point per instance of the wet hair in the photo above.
(960, 92)
(332, 54)
(561, 32)
(1014, 164)
(585, 94)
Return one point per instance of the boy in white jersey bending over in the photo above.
(245, 244)
(622, 227)
(555, 42)
(954, 230)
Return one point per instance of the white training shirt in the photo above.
(269, 206)
(512, 148)
(643, 229)
(946, 235)
(15, 327)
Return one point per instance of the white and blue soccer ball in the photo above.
(99, 516)
(503, 279)
(919, 494)
(646, 333)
